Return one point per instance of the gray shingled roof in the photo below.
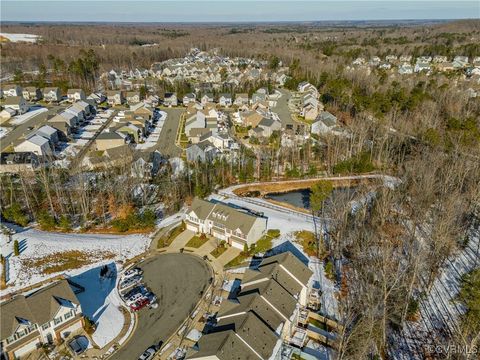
(224, 345)
(39, 307)
(270, 267)
(253, 331)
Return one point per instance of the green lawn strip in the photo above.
(218, 251)
(197, 241)
(167, 239)
(240, 259)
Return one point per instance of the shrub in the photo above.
(46, 221)
(135, 221)
(15, 214)
(273, 233)
(329, 270)
(64, 223)
(16, 248)
(89, 325)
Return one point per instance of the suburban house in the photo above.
(202, 151)
(16, 103)
(146, 165)
(251, 118)
(189, 98)
(241, 99)
(115, 156)
(115, 97)
(65, 117)
(32, 93)
(238, 228)
(170, 99)
(258, 97)
(13, 162)
(132, 97)
(325, 123)
(307, 87)
(36, 144)
(263, 314)
(225, 100)
(52, 94)
(96, 98)
(12, 90)
(460, 62)
(76, 111)
(107, 140)
(266, 127)
(207, 98)
(49, 133)
(46, 316)
(74, 95)
(405, 69)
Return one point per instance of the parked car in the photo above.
(132, 272)
(151, 297)
(140, 304)
(78, 345)
(130, 281)
(148, 354)
(136, 290)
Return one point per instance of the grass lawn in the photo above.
(167, 239)
(307, 240)
(218, 251)
(197, 241)
(318, 324)
(240, 259)
(63, 261)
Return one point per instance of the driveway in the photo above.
(179, 281)
(181, 240)
(228, 255)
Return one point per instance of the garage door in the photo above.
(192, 227)
(66, 332)
(27, 348)
(237, 244)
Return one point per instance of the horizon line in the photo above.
(236, 21)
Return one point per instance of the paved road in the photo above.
(178, 280)
(166, 141)
(282, 109)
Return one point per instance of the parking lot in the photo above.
(178, 281)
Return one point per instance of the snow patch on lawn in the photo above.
(36, 244)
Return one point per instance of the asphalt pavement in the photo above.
(166, 141)
(282, 109)
(178, 281)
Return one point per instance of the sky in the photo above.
(233, 10)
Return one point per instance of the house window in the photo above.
(57, 321)
(68, 315)
(46, 326)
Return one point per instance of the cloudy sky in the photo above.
(233, 10)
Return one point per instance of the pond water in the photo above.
(301, 198)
